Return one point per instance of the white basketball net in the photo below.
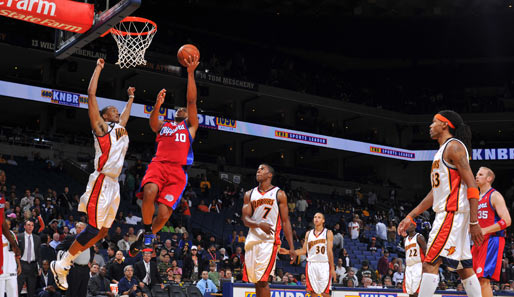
(133, 38)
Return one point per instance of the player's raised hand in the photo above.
(292, 254)
(100, 62)
(267, 228)
(476, 234)
(160, 98)
(404, 224)
(283, 251)
(192, 62)
(131, 91)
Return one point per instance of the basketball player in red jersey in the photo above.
(454, 199)
(265, 212)
(166, 177)
(494, 218)
(6, 232)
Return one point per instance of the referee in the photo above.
(78, 276)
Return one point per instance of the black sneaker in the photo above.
(137, 245)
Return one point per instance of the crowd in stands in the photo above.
(367, 251)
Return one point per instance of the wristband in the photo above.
(412, 220)
(502, 224)
(473, 193)
(131, 96)
(473, 223)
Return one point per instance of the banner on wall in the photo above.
(77, 100)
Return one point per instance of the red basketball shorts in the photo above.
(171, 179)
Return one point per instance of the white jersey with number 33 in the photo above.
(317, 246)
(265, 208)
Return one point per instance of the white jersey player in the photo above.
(265, 213)
(454, 199)
(320, 269)
(102, 197)
(11, 268)
(415, 247)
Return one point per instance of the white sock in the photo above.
(429, 283)
(68, 258)
(472, 286)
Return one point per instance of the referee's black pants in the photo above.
(77, 281)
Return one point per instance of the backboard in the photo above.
(67, 43)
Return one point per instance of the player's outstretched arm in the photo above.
(97, 122)
(330, 254)
(284, 216)
(457, 156)
(422, 244)
(126, 111)
(298, 252)
(501, 208)
(425, 204)
(155, 123)
(7, 233)
(192, 112)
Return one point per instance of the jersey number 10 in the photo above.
(180, 137)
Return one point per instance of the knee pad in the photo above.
(87, 234)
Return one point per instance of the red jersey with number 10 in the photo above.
(174, 144)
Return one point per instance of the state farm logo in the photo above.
(38, 6)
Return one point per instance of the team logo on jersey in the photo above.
(450, 250)
(169, 197)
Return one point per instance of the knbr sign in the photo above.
(59, 14)
(281, 293)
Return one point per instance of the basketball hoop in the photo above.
(133, 36)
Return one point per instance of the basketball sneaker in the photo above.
(144, 242)
(60, 272)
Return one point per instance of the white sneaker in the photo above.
(60, 272)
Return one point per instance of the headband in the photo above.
(443, 119)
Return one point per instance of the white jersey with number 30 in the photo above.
(265, 208)
(317, 246)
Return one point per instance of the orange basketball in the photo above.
(185, 51)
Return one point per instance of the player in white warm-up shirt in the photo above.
(11, 268)
(320, 258)
(102, 197)
(415, 247)
(265, 212)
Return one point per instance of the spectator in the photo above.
(185, 240)
(198, 239)
(55, 241)
(391, 232)
(192, 265)
(239, 254)
(223, 254)
(124, 244)
(186, 212)
(210, 256)
(180, 229)
(214, 276)
(169, 279)
(99, 284)
(291, 280)
(372, 200)
(27, 202)
(205, 186)
(215, 206)
(367, 282)
(383, 264)
(350, 276)
(146, 271)
(338, 236)
(46, 283)
(354, 228)
(131, 235)
(205, 285)
(70, 222)
(117, 236)
(115, 268)
(241, 238)
(388, 283)
(29, 245)
(97, 258)
(93, 270)
(346, 259)
(47, 252)
(372, 246)
(129, 285)
(64, 201)
(168, 247)
(340, 271)
(175, 267)
(366, 271)
(131, 219)
(398, 277)
(202, 207)
(381, 232)
(301, 206)
(168, 228)
(236, 267)
(2, 160)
